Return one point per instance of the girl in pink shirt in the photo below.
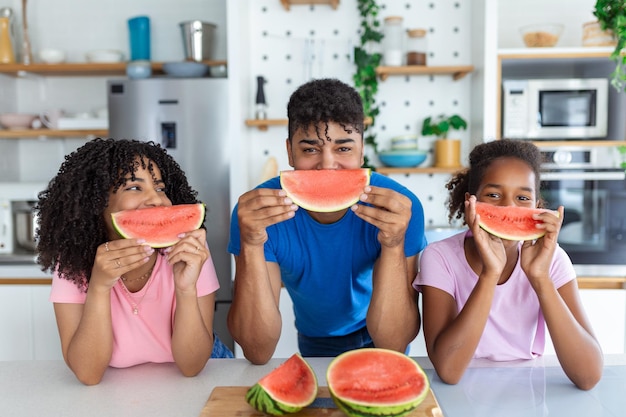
(119, 302)
(486, 297)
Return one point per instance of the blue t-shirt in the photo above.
(327, 268)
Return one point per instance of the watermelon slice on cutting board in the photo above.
(287, 389)
(325, 190)
(510, 222)
(376, 382)
(159, 226)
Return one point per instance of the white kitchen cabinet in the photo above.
(27, 323)
(606, 309)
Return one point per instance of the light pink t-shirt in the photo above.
(145, 336)
(515, 328)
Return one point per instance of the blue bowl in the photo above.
(402, 158)
(185, 69)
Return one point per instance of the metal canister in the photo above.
(198, 40)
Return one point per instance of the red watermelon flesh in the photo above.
(510, 222)
(159, 226)
(325, 190)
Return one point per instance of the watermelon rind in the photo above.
(372, 372)
(274, 393)
(325, 190)
(159, 226)
(510, 222)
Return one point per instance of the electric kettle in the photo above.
(7, 54)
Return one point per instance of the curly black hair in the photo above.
(481, 157)
(71, 222)
(322, 101)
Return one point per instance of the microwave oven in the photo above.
(571, 108)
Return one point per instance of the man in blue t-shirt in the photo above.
(348, 273)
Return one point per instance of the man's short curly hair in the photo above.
(70, 209)
(318, 102)
(481, 157)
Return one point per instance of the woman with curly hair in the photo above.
(348, 272)
(119, 302)
(486, 297)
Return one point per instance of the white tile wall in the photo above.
(281, 41)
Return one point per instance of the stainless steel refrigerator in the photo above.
(189, 118)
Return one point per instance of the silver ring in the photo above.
(106, 246)
(117, 261)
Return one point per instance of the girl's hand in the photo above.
(116, 258)
(489, 247)
(536, 256)
(188, 256)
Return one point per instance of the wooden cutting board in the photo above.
(231, 401)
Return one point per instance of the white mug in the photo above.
(50, 118)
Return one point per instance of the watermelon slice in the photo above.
(510, 222)
(376, 382)
(159, 226)
(287, 389)
(325, 190)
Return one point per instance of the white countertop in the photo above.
(526, 388)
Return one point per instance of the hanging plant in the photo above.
(612, 16)
(366, 60)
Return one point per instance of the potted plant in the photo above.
(447, 151)
(612, 16)
(366, 59)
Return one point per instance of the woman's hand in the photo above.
(536, 257)
(188, 256)
(116, 258)
(489, 247)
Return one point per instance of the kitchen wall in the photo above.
(291, 47)
(514, 14)
(79, 27)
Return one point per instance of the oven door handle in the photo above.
(584, 176)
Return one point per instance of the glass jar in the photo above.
(416, 47)
(393, 41)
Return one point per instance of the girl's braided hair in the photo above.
(481, 157)
(70, 210)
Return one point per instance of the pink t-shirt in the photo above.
(145, 336)
(515, 328)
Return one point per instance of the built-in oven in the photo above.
(591, 187)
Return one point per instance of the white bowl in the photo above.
(185, 69)
(17, 120)
(104, 55)
(52, 56)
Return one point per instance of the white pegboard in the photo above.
(291, 47)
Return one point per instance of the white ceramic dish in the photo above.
(17, 120)
(104, 56)
(185, 69)
(52, 56)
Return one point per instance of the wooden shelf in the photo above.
(416, 170)
(81, 68)
(51, 133)
(457, 72)
(264, 124)
(585, 143)
(555, 53)
(288, 3)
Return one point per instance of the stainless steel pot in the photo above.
(25, 225)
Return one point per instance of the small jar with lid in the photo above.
(416, 47)
(393, 41)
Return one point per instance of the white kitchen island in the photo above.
(527, 388)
